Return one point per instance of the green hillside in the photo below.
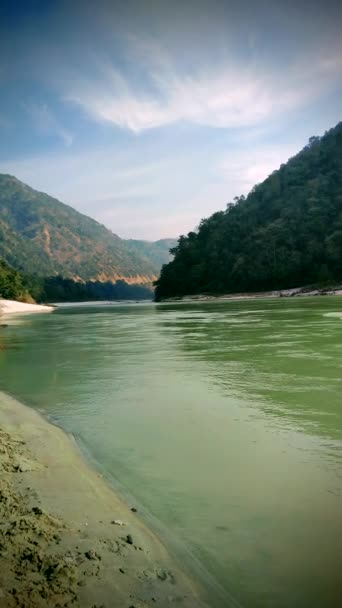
(156, 253)
(287, 232)
(40, 235)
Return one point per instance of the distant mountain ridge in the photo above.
(41, 235)
(157, 252)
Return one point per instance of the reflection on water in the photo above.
(223, 420)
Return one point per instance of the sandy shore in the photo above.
(11, 307)
(66, 539)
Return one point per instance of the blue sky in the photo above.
(149, 115)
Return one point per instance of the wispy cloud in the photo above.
(46, 123)
(221, 100)
(225, 96)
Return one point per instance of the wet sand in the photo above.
(66, 539)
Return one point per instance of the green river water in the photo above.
(221, 420)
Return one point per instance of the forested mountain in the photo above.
(15, 285)
(287, 232)
(157, 252)
(40, 235)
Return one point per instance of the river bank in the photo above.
(65, 537)
(11, 307)
(280, 293)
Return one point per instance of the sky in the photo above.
(149, 115)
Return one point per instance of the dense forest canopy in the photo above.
(58, 289)
(287, 232)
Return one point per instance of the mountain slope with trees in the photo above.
(287, 232)
(157, 252)
(40, 235)
(15, 285)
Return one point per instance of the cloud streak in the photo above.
(227, 96)
(46, 123)
(225, 100)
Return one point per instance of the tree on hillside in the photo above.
(11, 285)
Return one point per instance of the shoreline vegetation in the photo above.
(67, 539)
(31, 289)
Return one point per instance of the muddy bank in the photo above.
(66, 539)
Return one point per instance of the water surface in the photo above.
(222, 421)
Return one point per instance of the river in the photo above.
(221, 421)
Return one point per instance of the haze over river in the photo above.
(221, 421)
